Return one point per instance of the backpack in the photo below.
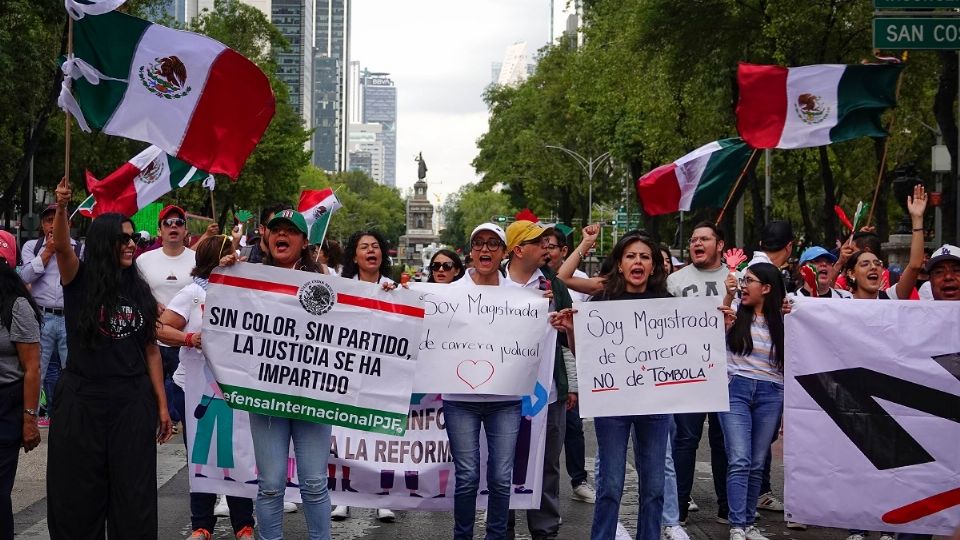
(77, 248)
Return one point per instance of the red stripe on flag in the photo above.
(115, 193)
(256, 284)
(230, 117)
(312, 197)
(379, 305)
(762, 107)
(659, 190)
(923, 508)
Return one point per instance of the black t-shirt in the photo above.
(119, 352)
(635, 296)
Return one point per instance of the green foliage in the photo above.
(470, 206)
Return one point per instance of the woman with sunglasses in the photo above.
(180, 326)
(110, 405)
(445, 267)
(755, 368)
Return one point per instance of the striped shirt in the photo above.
(758, 364)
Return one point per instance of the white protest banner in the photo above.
(872, 415)
(482, 340)
(665, 355)
(312, 347)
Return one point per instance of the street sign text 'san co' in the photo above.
(916, 33)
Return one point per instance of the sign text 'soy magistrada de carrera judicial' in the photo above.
(312, 347)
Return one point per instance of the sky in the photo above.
(439, 55)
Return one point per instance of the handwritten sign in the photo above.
(482, 340)
(650, 356)
(312, 347)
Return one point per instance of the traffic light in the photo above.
(501, 219)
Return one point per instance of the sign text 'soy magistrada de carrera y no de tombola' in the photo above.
(312, 347)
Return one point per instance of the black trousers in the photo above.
(11, 435)
(102, 459)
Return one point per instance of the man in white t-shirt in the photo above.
(167, 270)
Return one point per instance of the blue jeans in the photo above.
(755, 409)
(501, 422)
(53, 339)
(650, 447)
(271, 446)
(671, 510)
(689, 431)
(170, 357)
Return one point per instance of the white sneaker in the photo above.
(289, 507)
(674, 532)
(856, 536)
(768, 502)
(737, 533)
(221, 509)
(622, 532)
(585, 493)
(753, 533)
(386, 516)
(340, 512)
(692, 506)
(886, 536)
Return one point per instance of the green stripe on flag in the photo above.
(314, 410)
(863, 93)
(721, 172)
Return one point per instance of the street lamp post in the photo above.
(589, 167)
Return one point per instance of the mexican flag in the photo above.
(187, 94)
(701, 179)
(816, 105)
(149, 175)
(317, 206)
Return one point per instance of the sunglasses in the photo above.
(125, 238)
(446, 266)
(492, 244)
(174, 222)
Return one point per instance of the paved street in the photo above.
(30, 506)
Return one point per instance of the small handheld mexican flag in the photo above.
(317, 206)
(149, 175)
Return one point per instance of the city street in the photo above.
(29, 505)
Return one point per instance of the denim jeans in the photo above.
(501, 423)
(53, 340)
(574, 448)
(689, 431)
(755, 409)
(650, 447)
(170, 357)
(271, 446)
(671, 510)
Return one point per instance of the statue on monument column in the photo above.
(422, 169)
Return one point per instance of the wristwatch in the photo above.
(31, 412)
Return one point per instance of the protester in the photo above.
(110, 402)
(944, 271)
(755, 366)
(581, 283)
(527, 245)
(823, 261)
(180, 326)
(445, 267)
(258, 246)
(776, 244)
(40, 271)
(667, 259)
(499, 416)
(20, 339)
(331, 254)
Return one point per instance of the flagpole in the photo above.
(733, 190)
(66, 132)
(883, 155)
(213, 207)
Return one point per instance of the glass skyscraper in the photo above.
(330, 61)
(380, 107)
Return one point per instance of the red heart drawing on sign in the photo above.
(471, 371)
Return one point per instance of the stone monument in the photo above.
(413, 249)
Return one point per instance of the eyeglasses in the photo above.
(447, 266)
(125, 238)
(492, 244)
(550, 247)
(746, 281)
(867, 264)
(701, 239)
(174, 222)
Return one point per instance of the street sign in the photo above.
(916, 33)
(907, 4)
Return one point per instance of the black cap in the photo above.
(776, 235)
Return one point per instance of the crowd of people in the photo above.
(124, 323)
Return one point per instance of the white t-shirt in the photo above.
(692, 281)
(188, 303)
(579, 296)
(166, 275)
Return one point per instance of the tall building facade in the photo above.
(295, 20)
(366, 151)
(380, 107)
(331, 62)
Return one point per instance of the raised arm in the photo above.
(916, 206)
(574, 258)
(67, 260)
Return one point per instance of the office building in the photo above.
(331, 81)
(365, 143)
(295, 20)
(380, 107)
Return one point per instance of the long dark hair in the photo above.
(106, 283)
(615, 284)
(11, 288)
(457, 263)
(739, 339)
(208, 254)
(350, 268)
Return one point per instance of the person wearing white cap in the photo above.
(944, 270)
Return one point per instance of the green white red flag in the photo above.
(149, 175)
(317, 207)
(701, 179)
(188, 94)
(814, 105)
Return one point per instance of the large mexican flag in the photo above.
(815, 105)
(317, 207)
(190, 95)
(701, 179)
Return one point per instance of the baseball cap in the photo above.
(522, 231)
(8, 248)
(815, 252)
(945, 252)
(495, 229)
(170, 209)
(47, 210)
(291, 216)
(776, 235)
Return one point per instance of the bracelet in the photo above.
(918, 229)
(31, 412)
(188, 339)
(580, 253)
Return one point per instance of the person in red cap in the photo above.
(19, 375)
